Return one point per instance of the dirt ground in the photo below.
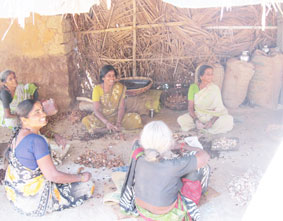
(256, 149)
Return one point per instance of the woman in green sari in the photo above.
(11, 94)
(109, 105)
(205, 107)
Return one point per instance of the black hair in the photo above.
(104, 70)
(5, 74)
(25, 107)
(202, 70)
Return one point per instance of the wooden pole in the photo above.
(109, 20)
(156, 59)
(131, 27)
(238, 27)
(280, 31)
(279, 43)
(172, 24)
(134, 38)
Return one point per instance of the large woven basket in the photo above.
(136, 85)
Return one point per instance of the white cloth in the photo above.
(193, 142)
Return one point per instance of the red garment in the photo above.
(191, 190)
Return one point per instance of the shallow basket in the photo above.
(175, 106)
(136, 85)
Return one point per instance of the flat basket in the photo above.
(136, 85)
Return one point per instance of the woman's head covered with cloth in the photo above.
(156, 138)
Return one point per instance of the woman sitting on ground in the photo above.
(11, 94)
(109, 105)
(206, 109)
(32, 183)
(165, 180)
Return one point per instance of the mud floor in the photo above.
(235, 174)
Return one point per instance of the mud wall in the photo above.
(39, 54)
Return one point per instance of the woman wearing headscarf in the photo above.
(205, 107)
(33, 184)
(109, 105)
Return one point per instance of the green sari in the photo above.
(208, 104)
(109, 108)
(179, 213)
(22, 92)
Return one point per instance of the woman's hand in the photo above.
(50, 172)
(8, 114)
(85, 176)
(119, 127)
(111, 126)
(208, 124)
(199, 124)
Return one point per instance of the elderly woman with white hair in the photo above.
(165, 180)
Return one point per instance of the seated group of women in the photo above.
(205, 107)
(164, 181)
(32, 182)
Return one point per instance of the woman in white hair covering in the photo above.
(165, 180)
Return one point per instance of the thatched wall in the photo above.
(167, 43)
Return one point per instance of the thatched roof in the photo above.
(221, 3)
(21, 9)
(267, 5)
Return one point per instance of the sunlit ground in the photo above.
(267, 202)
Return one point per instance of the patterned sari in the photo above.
(32, 195)
(22, 92)
(208, 104)
(109, 108)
